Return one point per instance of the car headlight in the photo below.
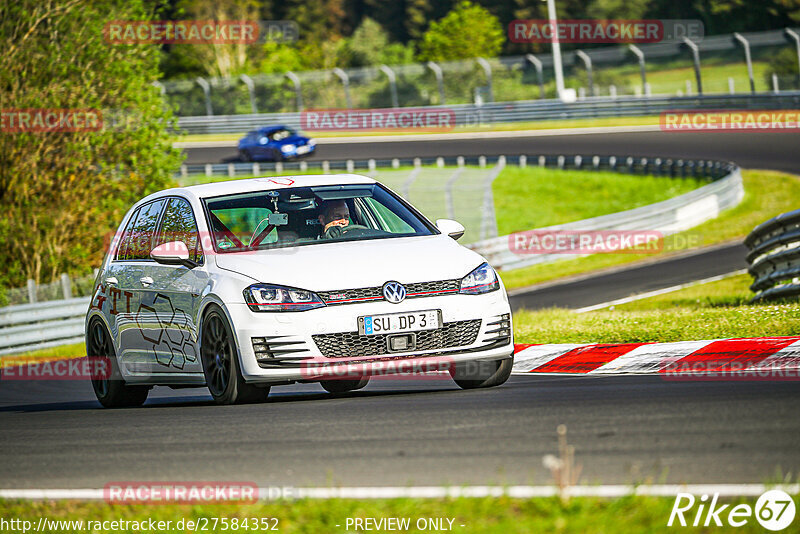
(312, 142)
(288, 148)
(481, 280)
(272, 298)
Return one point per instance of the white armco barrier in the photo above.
(668, 217)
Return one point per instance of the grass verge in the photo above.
(706, 311)
(490, 515)
(767, 194)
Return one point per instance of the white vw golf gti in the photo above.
(247, 284)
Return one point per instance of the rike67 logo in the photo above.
(774, 510)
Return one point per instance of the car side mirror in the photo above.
(173, 253)
(452, 228)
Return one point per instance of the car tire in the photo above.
(110, 389)
(482, 374)
(221, 362)
(244, 156)
(344, 386)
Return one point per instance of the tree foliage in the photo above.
(468, 31)
(62, 193)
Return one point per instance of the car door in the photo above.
(137, 326)
(173, 292)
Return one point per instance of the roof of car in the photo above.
(271, 128)
(266, 183)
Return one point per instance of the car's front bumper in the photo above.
(281, 346)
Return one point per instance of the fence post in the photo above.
(537, 64)
(437, 71)
(207, 92)
(791, 34)
(392, 84)
(696, 58)
(640, 56)
(251, 90)
(298, 94)
(66, 286)
(342, 75)
(487, 69)
(746, 45)
(31, 291)
(587, 61)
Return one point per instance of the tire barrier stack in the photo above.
(774, 257)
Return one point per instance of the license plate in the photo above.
(394, 323)
(302, 149)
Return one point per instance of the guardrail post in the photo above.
(350, 165)
(251, 90)
(31, 291)
(523, 161)
(437, 71)
(342, 75)
(208, 169)
(326, 167)
(207, 92)
(395, 163)
(587, 62)
(392, 84)
(731, 86)
(537, 64)
(231, 170)
(612, 91)
(66, 286)
(695, 50)
(775, 88)
(482, 162)
(739, 38)
(640, 56)
(487, 69)
(791, 34)
(298, 93)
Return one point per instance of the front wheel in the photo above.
(481, 374)
(221, 363)
(109, 387)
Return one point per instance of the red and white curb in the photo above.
(720, 355)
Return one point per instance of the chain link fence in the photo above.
(616, 70)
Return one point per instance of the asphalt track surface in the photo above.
(765, 150)
(53, 434)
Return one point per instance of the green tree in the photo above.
(63, 193)
(468, 31)
(369, 45)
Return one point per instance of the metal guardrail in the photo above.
(526, 110)
(774, 257)
(41, 325)
(668, 217)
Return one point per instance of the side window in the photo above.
(178, 224)
(124, 242)
(388, 220)
(143, 231)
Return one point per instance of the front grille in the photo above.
(415, 290)
(352, 345)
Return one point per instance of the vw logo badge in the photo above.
(394, 292)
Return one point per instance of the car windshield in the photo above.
(310, 215)
(283, 133)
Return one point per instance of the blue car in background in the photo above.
(274, 143)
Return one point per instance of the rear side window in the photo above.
(138, 239)
(178, 224)
(125, 240)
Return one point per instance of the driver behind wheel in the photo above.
(334, 217)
